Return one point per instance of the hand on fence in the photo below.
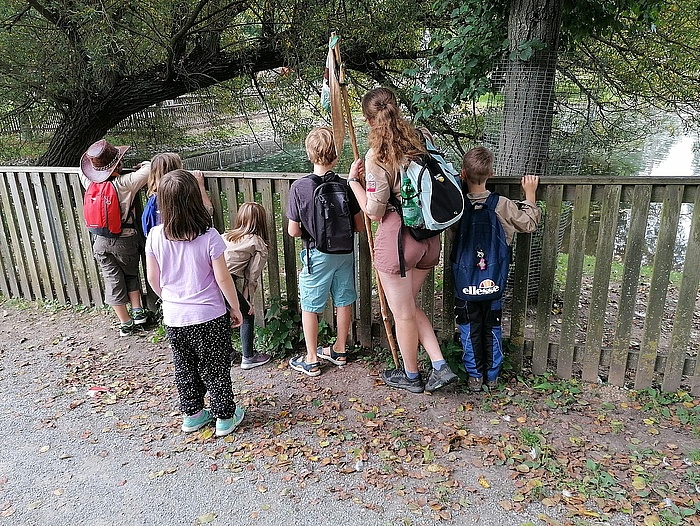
(529, 184)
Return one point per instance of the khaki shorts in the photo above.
(422, 255)
(118, 259)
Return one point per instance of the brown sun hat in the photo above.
(100, 160)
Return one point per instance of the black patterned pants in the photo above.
(201, 354)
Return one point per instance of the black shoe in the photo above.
(397, 378)
(440, 378)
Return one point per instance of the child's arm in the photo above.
(524, 216)
(294, 228)
(355, 177)
(529, 184)
(223, 279)
(205, 197)
(254, 269)
(153, 274)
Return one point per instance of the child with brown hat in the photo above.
(118, 256)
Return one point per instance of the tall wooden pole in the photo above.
(368, 223)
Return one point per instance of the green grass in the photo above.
(616, 271)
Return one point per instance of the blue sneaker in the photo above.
(225, 426)
(193, 423)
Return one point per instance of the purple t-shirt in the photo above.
(190, 292)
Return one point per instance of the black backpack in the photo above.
(332, 222)
(480, 255)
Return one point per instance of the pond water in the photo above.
(665, 154)
(292, 159)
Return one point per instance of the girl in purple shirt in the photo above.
(186, 268)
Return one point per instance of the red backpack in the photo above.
(103, 215)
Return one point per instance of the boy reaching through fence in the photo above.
(325, 214)
(480, 258)
(109, 215)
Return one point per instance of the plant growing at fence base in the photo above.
(282, 331)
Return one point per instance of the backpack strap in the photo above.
(131, 214)
(492, 201)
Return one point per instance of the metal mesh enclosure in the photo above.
(547, 115)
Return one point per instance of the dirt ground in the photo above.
(575, 453)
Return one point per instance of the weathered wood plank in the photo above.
(290, 251)
(246, 186)
(11, 286)
(572, 288)
(64, 272)
(685, 308)
(85, 242)
(230, 209)
(364, 291)
(601, 282)
(74, 252)
(447, 328)
(273, 266)
(18, 259)
(636, 244)
(215, 197)
(550, 249)
(26, 252)
(51, 276)
(518, 303)
(663, 265)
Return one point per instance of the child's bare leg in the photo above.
(135, 299)
(309, 322)
(122, 313)
(343, 319)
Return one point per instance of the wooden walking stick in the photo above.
(339, 69)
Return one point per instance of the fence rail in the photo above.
(603, 312)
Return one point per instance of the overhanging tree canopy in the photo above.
(99, 63)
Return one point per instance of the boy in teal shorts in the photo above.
(327, 258)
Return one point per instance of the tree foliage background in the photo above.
(97, 62)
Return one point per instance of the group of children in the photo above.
(207, 280)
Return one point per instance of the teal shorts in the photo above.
(330, 274)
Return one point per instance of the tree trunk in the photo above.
(91, 116)
(529, 87)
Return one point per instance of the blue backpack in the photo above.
(151, 215)
(480, 255)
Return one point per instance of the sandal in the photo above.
(309, 369)
(338, 358)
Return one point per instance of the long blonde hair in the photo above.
(250, 219)
(393, 138)
(161, 164)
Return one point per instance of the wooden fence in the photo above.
(616, 320)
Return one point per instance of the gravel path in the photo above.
(120, 458)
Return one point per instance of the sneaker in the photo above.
(474, 383)
(256, 360)
(140, 316)
(492, 384)
(225, 426)
(397, 378)
(126, 328)
(193, 423)
(440, 378)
